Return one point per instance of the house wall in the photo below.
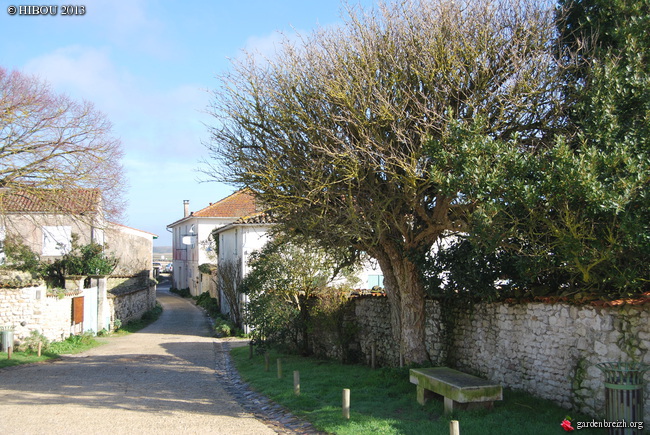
(237, 243)
(549, 350)
(133, 248)
(188, 258)
(29, 228)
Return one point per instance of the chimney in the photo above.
(186, 207)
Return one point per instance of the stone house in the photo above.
(45, 220)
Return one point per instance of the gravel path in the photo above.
(170, 378)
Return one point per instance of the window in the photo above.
(57, 240)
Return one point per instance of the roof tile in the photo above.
(73, 201)
(240, 203)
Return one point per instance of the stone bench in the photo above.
(459, 389)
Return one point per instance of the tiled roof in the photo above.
(240, 203)
(257, 218)
(69, 201)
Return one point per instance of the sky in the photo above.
(150, 66)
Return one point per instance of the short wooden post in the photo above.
(250, 350)
(279, 368)
(401, 360)
(296, 382)
(266, 362)
(10, 351)
(40, 347)
(346, 403)
(373, 355)
(454, 429)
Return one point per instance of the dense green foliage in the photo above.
(284, 279)
(207, 302)
(20, 257)
(572, 220)
(183, 292)
(90, 259)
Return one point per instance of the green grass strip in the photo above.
(383, 401)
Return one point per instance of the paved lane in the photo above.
(159, 381)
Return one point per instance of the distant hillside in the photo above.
(162, 249)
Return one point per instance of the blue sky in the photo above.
(149, 66)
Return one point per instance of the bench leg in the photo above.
(423, 395)
(449, 405)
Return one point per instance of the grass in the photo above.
(135, 325)
(77, 343)
(383, 401)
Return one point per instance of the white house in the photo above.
(192, 242)
(237, 241)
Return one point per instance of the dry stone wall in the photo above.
(127, 306)
(549, 350)
(26, 309)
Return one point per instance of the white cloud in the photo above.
(166, 121)
(83, 72)
(132, 25)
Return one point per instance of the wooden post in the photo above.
(10, 351)
(346, 404)
(454, 429)
(266, 361)
(250, 350)
(279, 368)
(373, 355)
(296, 382)
(401, 360)
(40, 347)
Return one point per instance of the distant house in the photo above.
(45, 219)
(192, 241)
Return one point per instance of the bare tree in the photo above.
(49, 141)
(385, 133)
(228, 281)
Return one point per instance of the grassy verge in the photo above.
(77, 343)
(383, 401)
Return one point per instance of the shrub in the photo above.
(30, 344)
(210, 304)
(90, 259)
(184, 293)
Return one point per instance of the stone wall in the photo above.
(29, 308)
(127, 306)
(549, 350)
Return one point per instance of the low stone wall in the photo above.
(549, 350)
(131, 305)
(29, 308)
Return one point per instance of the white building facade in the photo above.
(192, 240)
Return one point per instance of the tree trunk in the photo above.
(405, 292)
